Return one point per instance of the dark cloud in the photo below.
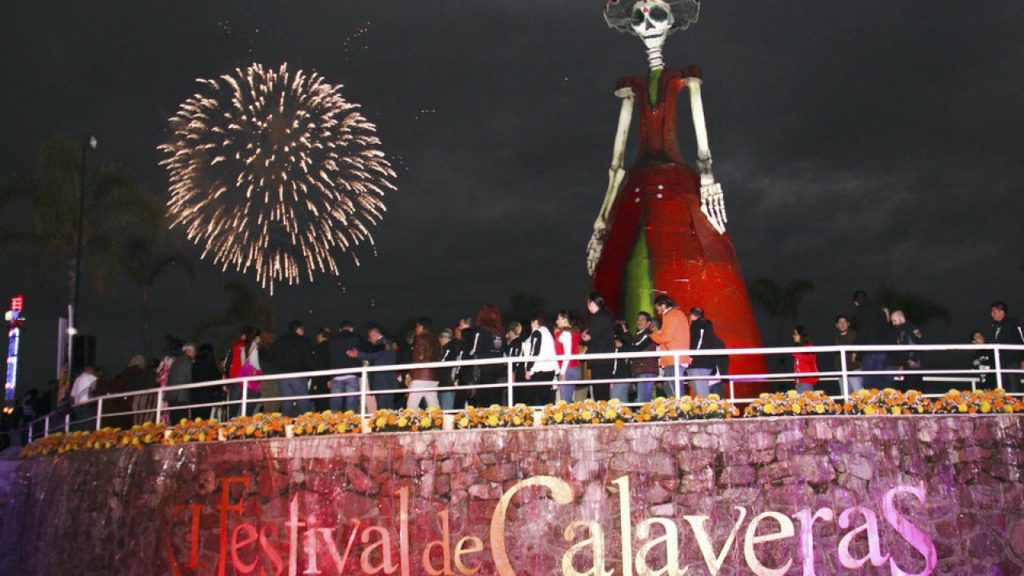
(857, 142)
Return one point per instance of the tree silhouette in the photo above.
(41, 210)
(245, 308)
(144, 259)
(778, 301)
(918, 308)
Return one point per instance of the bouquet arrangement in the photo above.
(406, 420)
(977, 402)
(887, 401)
(327, 422)
(143, 434)
(258, 425)
(588, 412)
(792, 403)
(197, 430)
(700, 408)
(495, 416)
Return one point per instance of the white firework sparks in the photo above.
(275, 171)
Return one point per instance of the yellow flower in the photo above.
(425, 422)
(660, 409)
(792, 393)
(820, 408)
(464, 421)
(795, 407)
(986, 407)
(962, 407)
(769, 408)
(147, 438)
(712, 407)
(516, 420)
(869, 410)
(586, 415)
(896, 410)
(558, 416)
(686, 407)
(403, 422)
(609, 414)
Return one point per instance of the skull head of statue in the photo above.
(651, 20)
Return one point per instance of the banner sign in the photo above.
(895, 495)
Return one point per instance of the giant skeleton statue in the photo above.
(662, 227)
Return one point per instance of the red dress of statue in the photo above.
(659, 232)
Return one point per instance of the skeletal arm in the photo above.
(712, 202)
(616, 173)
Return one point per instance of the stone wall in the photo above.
(849, 488)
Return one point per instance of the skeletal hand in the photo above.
(712, 204)
(595, 246)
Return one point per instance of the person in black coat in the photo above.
(293, 353)
(702, 337)
(872, 329)
(340, 346)
(1007, 330)
(600, 339)
(206, 368)
(449, 353)
(321, 361)
(380, 352)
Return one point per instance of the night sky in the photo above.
(857, 143)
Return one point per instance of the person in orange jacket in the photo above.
(673, 335)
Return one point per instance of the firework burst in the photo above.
(275, 171)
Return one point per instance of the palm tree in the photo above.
(778, 301)
(918, 308)
(115, 207)
(245, 308)
(143, 259)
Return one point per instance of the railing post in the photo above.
(999, 368)
(67, 422)
(159, 405)
(675, 370)
(46, 426)
(844, 373)
(245, 398)
(364, 385)
(99, 412)
(510, 377)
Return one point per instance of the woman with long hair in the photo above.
(488, 342)
(804, 362)
(244, 361)
(567, 343)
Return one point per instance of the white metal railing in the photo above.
(85, 419)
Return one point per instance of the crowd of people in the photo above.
(543, 369)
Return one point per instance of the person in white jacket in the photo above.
(541, 363)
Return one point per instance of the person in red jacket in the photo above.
(804, 362)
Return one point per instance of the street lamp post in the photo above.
(90, 143)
